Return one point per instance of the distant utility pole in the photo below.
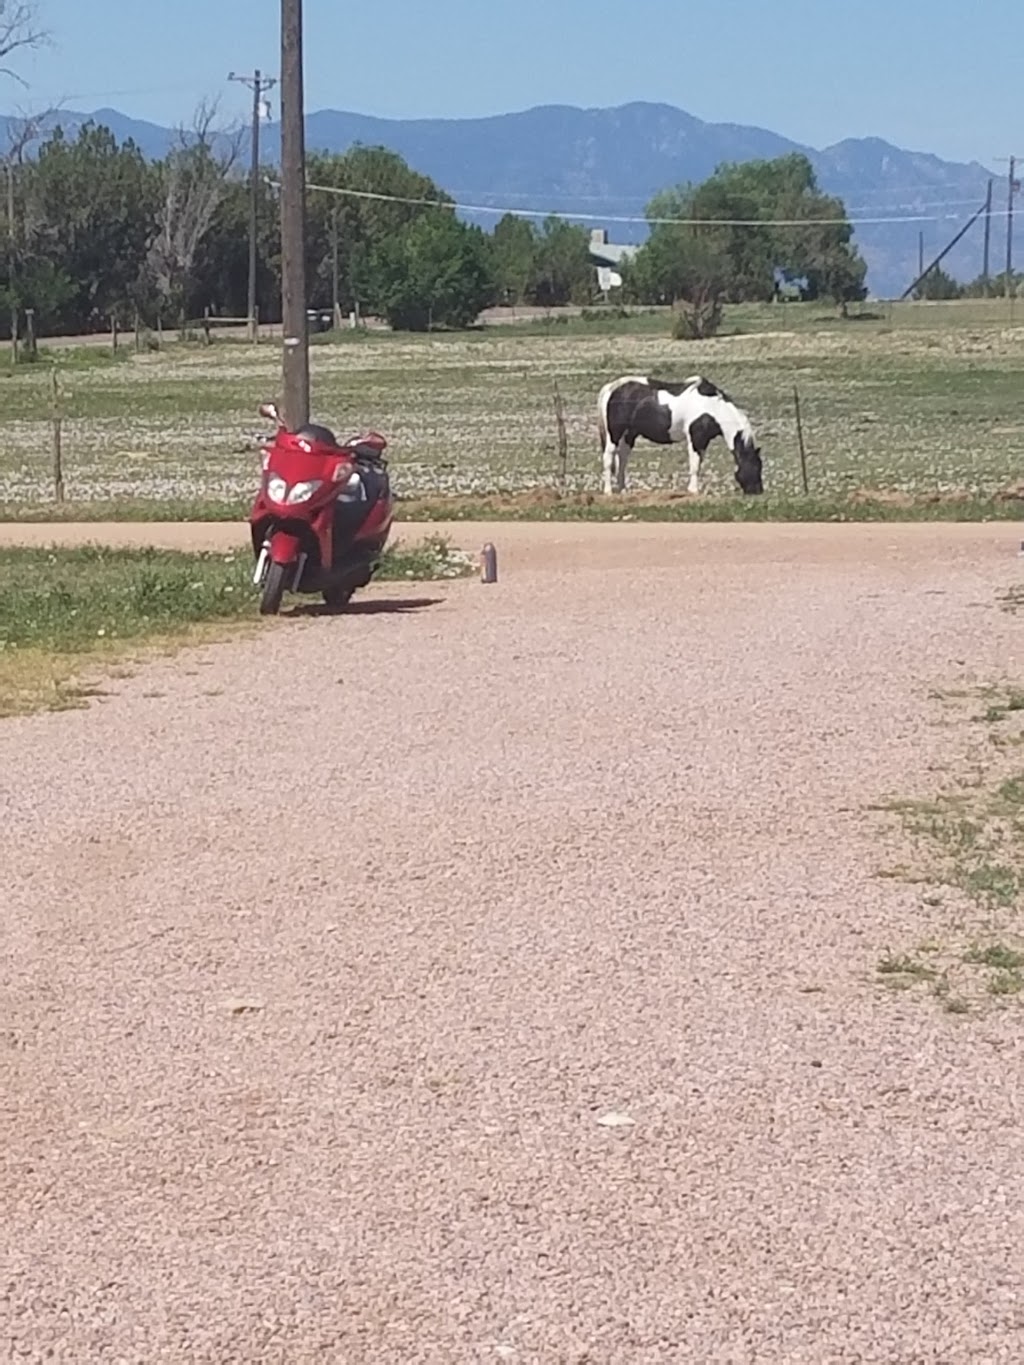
(988, 237)
(335, 305)
(259, 84)
(943, 253)
(1012, 188)
(295, 351)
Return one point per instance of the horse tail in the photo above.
(603, 396)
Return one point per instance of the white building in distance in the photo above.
(607, 257)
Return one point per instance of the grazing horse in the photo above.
(695, 411)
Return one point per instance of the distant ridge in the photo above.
(609, 162)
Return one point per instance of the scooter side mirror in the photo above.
(270, 410)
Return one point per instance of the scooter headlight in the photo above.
(277, 489)
(302, 492)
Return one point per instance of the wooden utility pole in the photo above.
(13, 255)
(1012, 187)
(988, 238)
(57, 424)
(943, 253)
(259, 84)
(335, 304)
(295, 356)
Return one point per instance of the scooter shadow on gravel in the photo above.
(370, 606)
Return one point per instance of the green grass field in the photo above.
(75, 608)
(916, 401)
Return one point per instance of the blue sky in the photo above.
(900, 69)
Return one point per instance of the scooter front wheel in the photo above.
(273, 588)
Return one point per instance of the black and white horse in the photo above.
(695, 411)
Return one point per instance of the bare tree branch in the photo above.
(23, 129)
(195, 171)
(26, 127)
(19, 28)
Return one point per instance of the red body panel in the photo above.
(284, 548)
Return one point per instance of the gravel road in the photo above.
(327, 952)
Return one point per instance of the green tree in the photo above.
(823, 255)
(38, 284)
(763, 218)
(436, 272)
(937, 285)
(812, 239)
(362, 224)
(564, 273)
(993, 287)
(687, 266)
(732, 211)
(89, 211)
(514, 250)
(220, 274)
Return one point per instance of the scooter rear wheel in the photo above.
(336, 598)
(273, 589)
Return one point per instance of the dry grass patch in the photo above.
(968, 850)
(919, 407)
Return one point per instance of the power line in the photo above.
(121, 94)
(634, 218)
(907, 203)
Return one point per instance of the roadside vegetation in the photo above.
(68, 615)
(967, 856)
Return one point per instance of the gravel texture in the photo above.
(494, 978)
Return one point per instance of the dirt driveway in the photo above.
(328, 955)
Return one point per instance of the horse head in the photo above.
(748, 464)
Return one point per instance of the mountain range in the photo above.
(601, 166)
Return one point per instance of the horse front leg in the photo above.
(695, 463)
(609, 463)
(622, 460)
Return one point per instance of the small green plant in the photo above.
(1006, 983)
(995, 955)
(902, 964)
(973, 838)
(994, 883)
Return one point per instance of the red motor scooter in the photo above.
(322, 516)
